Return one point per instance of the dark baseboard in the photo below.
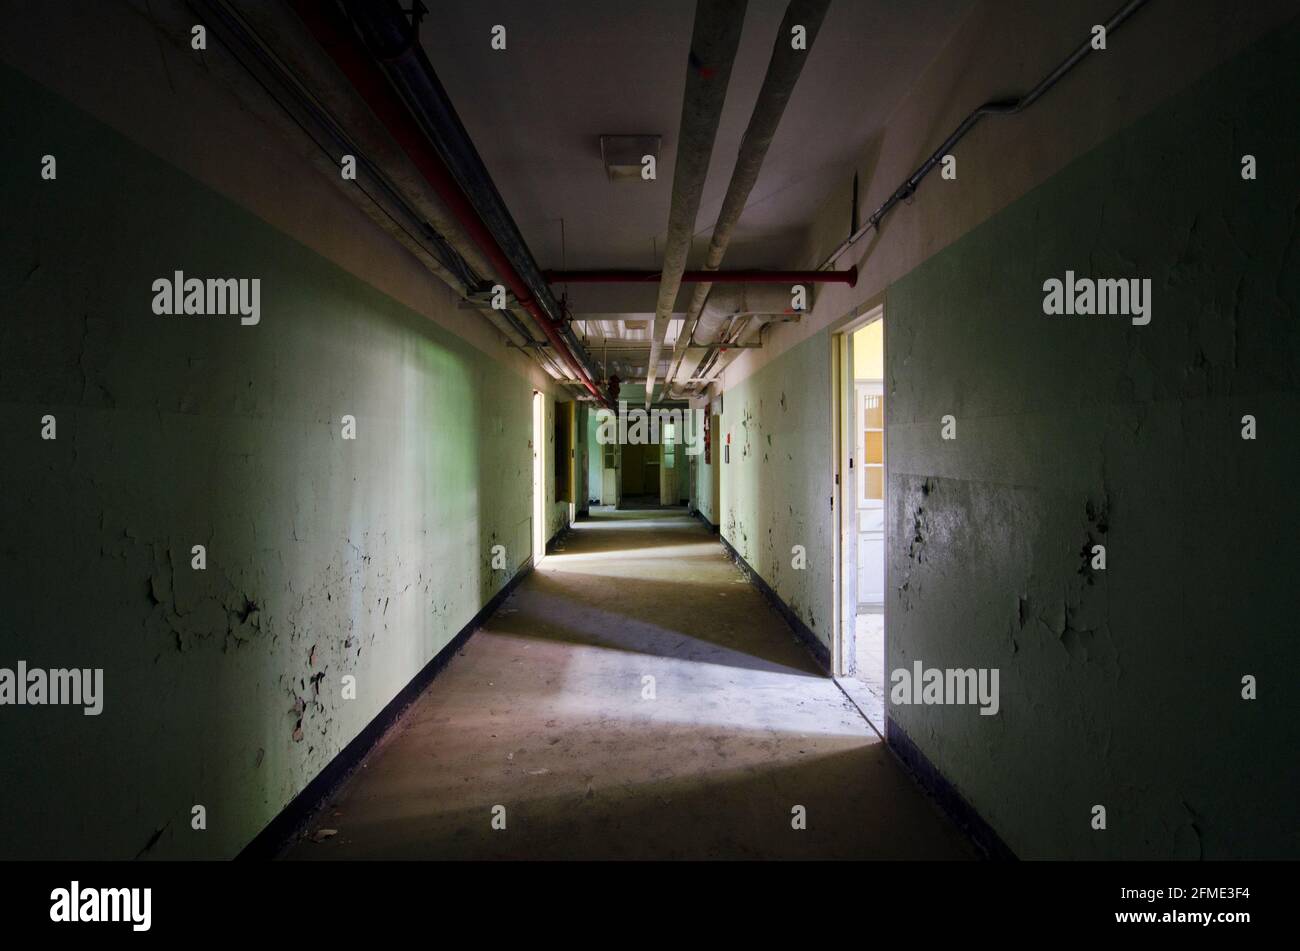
(554, 539)
(271, 841)
(926, 773)
(820, 652)
(950, 800)
(707, 524)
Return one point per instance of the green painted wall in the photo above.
(556, 511)
(705, 496)
(325, 557)
(595, 457)
(1122, 687)
(773, 491)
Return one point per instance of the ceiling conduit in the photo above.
(311, 104)
(995, 107)
(632, 276)
(441, 150)
(783, 71)
(999, 107)
(714, 41)
(734, 317)
(730, 301)
(386, 29)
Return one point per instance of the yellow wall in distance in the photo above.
(869, 351)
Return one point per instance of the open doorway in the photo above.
(654, 469)
(565, 459)
(539, 481)
(640, 486)
(861, 485)
(669, 462)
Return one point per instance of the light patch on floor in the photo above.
(546, 712)
(866, 686)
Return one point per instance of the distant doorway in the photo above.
(640, 476)
(869, 502)
(651, 473)
(861, 485)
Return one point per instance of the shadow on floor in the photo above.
(653, 583)
(577, 610)
(645, 800)
(634, 700)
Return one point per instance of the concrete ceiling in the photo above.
(578, 69)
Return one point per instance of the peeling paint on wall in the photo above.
(771, 496)
(1120, 685)
(325, 557)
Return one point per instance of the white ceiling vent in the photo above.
(625, 155)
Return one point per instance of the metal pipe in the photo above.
(716, 362)
(783, 70)
(715, 38)
(625, 276)
(430, 241)
(642, 351)
(996, 107)
(720, 355)
(355, 62)
(392, 40)
(732, 301)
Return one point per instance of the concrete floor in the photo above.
(543, 712)
(867, 685)
(869, 650)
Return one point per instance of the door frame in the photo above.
(861, 388)
(539, 477)
(844, 581)
(570, 410)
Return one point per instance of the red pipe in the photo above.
(355, 62)
(849, 277)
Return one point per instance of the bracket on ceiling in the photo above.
(482, 299)
(417, 12)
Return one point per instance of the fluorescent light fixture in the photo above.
(624, 154)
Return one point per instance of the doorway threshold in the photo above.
(868, 703)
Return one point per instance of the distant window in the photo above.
(670, 449)
(873, 447)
